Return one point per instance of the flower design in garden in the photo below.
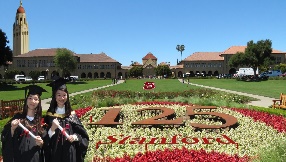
(149, 85)
(122, 142)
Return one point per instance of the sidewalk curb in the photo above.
(262, 101)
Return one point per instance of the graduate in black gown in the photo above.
(17, 144)
(61, 148)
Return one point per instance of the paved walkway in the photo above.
(262, 101)
(46, 105)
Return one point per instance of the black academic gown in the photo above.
(60, 149)
(21, 147)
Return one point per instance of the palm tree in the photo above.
(180, 48)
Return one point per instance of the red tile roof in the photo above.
(235, 49)
(204, 56)
(126, 67)
(50, 52)
(40, 53)
(177, 67)
(102, 57)
(149, 56)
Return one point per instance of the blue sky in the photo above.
(127, 30)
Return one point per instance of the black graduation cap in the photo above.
(58, 84)
(34, 89)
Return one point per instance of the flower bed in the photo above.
(253, 132)
(176, 155)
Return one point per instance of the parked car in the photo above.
(72, 78)
(284, 74)
(41, 78)
(20, 78)
(28, 78)
(271, 73)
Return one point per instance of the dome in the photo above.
(21, 10)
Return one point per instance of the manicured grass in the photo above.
(269, 88)
(17, 91)
(162, 85)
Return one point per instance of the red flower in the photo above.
(182, 155)
(277, 122)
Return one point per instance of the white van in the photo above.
(246, 71)
(19, 78)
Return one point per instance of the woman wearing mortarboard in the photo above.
(69, 144)
(25, 145)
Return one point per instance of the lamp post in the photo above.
(115, 79)
(47, 73)
(93, 71)
(180, 48)
(5, 75)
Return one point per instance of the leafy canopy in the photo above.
(136, 71)
(255, 55)
(163, 70)
(65, 61)
(5, 51)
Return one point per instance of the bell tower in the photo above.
(20, 32)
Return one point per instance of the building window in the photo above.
(34, 63)
(187, 65)
(203, 64)
(278, 60)
(22, 63)
(43, 63)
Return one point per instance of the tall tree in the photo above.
(5, 51)
(10, 74)
(163, 70)
(255, 55)
(136, 71)
(65, 61)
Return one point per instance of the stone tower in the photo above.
(20, 32)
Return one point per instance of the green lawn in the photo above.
(17, 91)
(269, 88)
(162, 85)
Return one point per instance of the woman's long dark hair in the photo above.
(37, 117)
(54, 104)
